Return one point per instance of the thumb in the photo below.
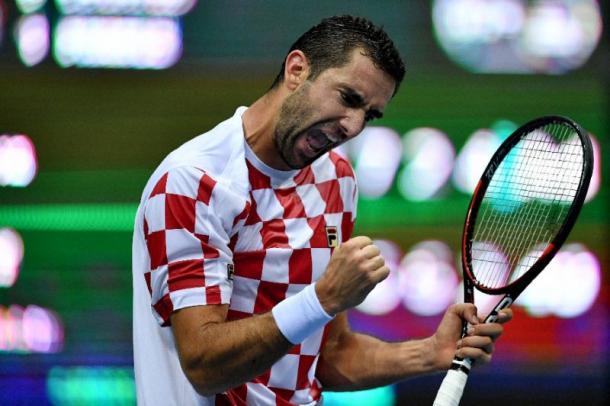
(467, 312)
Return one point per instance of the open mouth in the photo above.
(318, 141)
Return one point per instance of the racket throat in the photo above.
(502, 304)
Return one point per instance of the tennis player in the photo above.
(243, 257)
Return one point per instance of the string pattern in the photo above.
(526, 203)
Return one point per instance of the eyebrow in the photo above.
(358, 101)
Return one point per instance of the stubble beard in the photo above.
(294, 110)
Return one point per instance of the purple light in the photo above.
(117, 42)
(567, 287)
(11, 254)
(33, 329)
(42, 330)
(32, 37)
(172, 8)
(428, 280)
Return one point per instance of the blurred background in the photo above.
(94, 93)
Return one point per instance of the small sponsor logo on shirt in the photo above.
(230, 271)
(332, 236)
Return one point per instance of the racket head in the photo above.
(536, 180)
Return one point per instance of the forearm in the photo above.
(221, 355)
(359, 361)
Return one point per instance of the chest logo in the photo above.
(332, 236)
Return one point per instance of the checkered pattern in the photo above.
(278, 239)
(188, 234)
(281, 248)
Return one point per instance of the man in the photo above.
(240, 283)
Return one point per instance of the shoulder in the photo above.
(218, 153)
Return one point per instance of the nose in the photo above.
(353, 122)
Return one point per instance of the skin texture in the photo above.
(288, 128)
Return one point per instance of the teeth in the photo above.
(333, 138)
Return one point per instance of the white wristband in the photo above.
(300, 315)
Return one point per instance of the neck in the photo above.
(259, 123)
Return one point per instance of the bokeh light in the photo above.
(117, 42)
(32, 38)
(377, 155)
(428, 280)
(428, 155)
(385, 297)
(473, 158)
(382, 396)
(91, 385)
(11, 255)
(567, 287)
(170, 8)
(30, 6)
(18, 162)
(32, 329)
(42, 330)
(518, 36)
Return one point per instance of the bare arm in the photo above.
(217, 355)
(352, 361)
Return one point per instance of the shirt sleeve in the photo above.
(189, 222)
(349, 194)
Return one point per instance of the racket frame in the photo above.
(512, 290)
(453, 384)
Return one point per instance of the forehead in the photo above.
(361, 75)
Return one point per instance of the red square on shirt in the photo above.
(179, 212)
(299, 266)
(156, 249)
(269, 293)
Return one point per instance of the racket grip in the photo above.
(452, 387)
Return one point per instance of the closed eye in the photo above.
(353, 100)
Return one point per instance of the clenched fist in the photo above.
(354, 269)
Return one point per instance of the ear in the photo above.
(296, 69)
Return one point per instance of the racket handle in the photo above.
(452, 387)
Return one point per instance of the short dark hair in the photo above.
(330, 44)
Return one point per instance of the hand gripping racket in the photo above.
(521, 212)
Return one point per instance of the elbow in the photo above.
(206, 381)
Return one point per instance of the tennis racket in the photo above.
(521, 212)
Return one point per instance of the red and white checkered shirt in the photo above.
(218, 226)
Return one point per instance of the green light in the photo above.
(383, 396)
(70, 217)
(91, 385)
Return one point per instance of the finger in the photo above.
(476, 354)
(483, 343)
(360, 241)
(370, 251)
(505, 315)
(380, 274)
(467, 311)
(491, 330)
(373, 263)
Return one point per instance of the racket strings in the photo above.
(526, 203)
